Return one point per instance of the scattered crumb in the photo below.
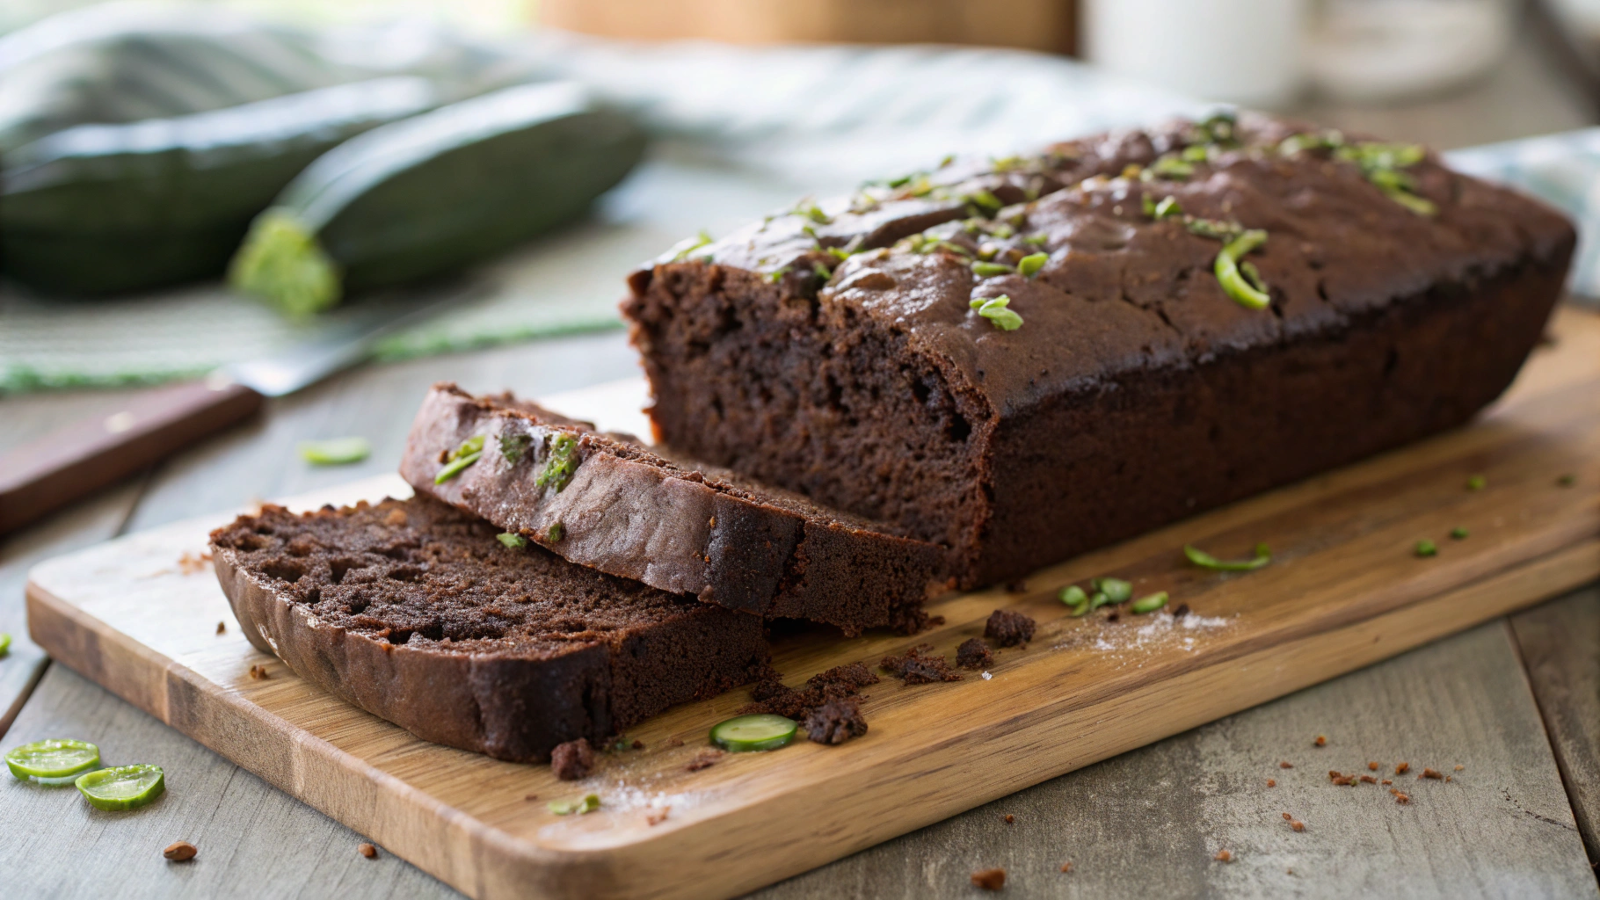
(572, 760)
(1272, 782)
(1285, 765)
(1297, 825)
(1010, 818)
(1402, 768)
(222, 628)
(704, 760)
(531, 797)
(1066, 867)
(1386, 781)
(1321, 741)
(657, 817)
(194, 563)
(835, 721)
(1372, 767)
(1016, 587)
(259, 672)
(990, 879)
(974, 654)
(1287, 817)
(674, 742)
(396, 518)
(919, 666)
(1223, 856)
(1400, 798)
(180, 851)
(1459, 768)
(367, 850)
(1181, 611)
(1344, 780)
(637, 744)
(1009, 628)
(1114, 617)
(1448, 779)
(1368, 779)
(1430, 773)
(773, 696)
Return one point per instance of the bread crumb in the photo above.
(990, 879)
(1285, 765)
(1430, 773)
(1009, 628)
(259, 672)
(1368, 779)
(1272, 782)
(1402, 768)
(572, 760)
(674, 742)
(705, 760)
(396, 518)
(1223, 856)
(1372, 767)
(1321, 741)
(1400, 798)
(222, 628)
(1287, 817)
(1386, 781)
(637, 744)
(367, 850)
(1297, 825)
(180, 851)
(1066, 867)
(1010, 818)
(194, 563)
(531, 797)
(1459, 768)
(656, 818)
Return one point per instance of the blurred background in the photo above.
(167, 168)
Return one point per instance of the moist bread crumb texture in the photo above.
(835, 350)
(415, 612)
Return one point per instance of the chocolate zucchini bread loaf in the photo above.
(413, 611)
(1025, 358)
(607, 502)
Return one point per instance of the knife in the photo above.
(86, 456)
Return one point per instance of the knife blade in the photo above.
(75, 461)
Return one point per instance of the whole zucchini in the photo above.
(435, 192)
(174, 194)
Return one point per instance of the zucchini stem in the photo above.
(281, 262)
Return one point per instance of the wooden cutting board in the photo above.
(1345, 589)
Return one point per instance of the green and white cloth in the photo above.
(739, 132)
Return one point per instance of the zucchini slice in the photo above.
(433, 193)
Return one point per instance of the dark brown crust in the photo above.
(509, 698)
(1136, 392)
(630, 512)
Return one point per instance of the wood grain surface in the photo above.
(1345, 591)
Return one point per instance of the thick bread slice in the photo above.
(413, 611)
(625, 510)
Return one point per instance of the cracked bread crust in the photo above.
(1136, 391)
(413, 611)
(635, 513)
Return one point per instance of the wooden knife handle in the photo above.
(84, 457)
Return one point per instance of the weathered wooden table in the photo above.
(1515, 701)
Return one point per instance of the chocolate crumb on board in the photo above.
(572, 760)
(774, 697)
(704, 760)
(1272, 782)
(835, 721)
(1223, 856)
(180, 851)
(637, 744)
(1430, 773)
(1321, 741)
(974, 654)
(222, 628)
(990, 879)
(1009, 628)
(259, 672)
(1113, 617)
(531, 797)
(1017, 587)
(919, 666)
(1181, 611)
(1066, 867)
(367, 850)
(1402, 768)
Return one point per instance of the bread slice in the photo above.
(413, 611)
(607, 502)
